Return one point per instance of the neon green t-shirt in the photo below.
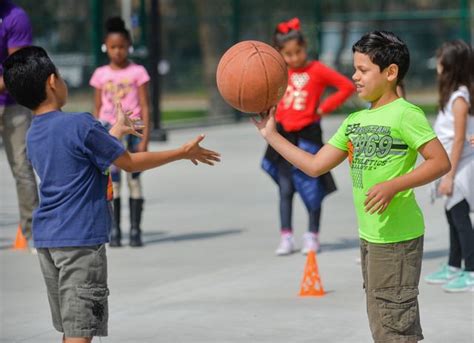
(382, 144)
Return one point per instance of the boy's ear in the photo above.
(51, 81)
(392, 72)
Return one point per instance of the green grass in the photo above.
(171, 115)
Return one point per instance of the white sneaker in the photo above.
(287, 244)
(310, 242)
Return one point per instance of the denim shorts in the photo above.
(391, 273)
(76, 283)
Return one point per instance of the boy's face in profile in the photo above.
(370, 81)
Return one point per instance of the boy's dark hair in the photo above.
(286, 31)
(117, 25)
(457, 61)
(25, 73)
(384, 48)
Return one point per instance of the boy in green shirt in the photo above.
(381, 144)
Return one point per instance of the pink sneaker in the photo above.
(310, 242)
(287, 244)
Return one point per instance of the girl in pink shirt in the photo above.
(126, 82)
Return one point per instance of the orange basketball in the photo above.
(252, 76)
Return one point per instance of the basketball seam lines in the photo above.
(283, 67)
(225, 65)
(266, 76)
(241, 79)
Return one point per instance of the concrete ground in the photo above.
(208, 272)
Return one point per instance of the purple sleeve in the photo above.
(19, 29)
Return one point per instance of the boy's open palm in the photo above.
(194, 152)
(124, 125)
(379, 197)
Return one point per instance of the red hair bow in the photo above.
(287, 26)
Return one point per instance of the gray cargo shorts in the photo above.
(391, 273)
(76, 282)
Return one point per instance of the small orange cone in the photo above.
(20, 241)
(311, 284)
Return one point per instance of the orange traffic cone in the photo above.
(20, 241)
(311, 284)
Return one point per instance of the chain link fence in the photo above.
(72, 32)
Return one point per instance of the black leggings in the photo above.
(461, 236)
(287, 190)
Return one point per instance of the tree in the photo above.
(213, 33)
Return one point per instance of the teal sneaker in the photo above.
(463, 283)
(444, 274)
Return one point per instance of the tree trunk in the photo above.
(212, 37)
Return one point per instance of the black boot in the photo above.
(136, 207)
(115, 233)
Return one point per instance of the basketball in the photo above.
(252, 76)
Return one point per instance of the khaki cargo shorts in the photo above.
(391, 275)
(76, 282)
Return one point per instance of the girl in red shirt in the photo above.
(298, 115)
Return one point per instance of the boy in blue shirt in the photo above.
(71, 153)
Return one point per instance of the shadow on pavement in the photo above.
(8, 224)
(5, 245)
(341, 245)
(153, 237)
(428, 255)
(191, 236)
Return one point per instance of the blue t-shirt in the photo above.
(71, 153)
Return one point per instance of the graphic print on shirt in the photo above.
(115, 92)
(371, 147)
(295, 97)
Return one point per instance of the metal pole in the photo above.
(143, 24)
(97, 33)
(155, 57)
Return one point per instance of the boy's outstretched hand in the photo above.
(265, 123)
(195, 153)
(124, 125)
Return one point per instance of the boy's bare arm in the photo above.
(140, 161)
(327, 158)
(323, 161)
(436, 164)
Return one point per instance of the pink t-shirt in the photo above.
(119, 85)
